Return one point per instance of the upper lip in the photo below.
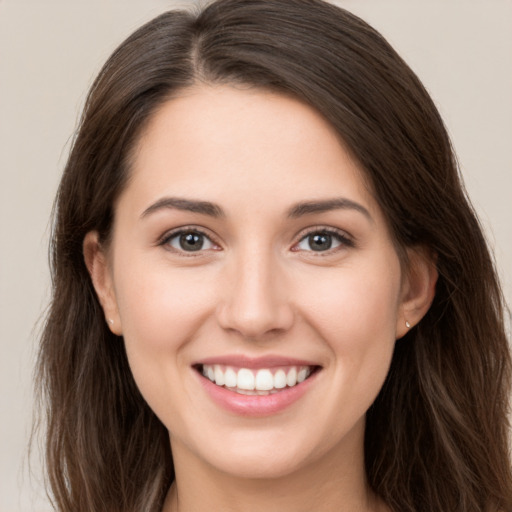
(242, 361)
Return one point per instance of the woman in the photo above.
(270, 291)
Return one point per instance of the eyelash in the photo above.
(344, 240)
(166, 239)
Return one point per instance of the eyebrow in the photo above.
(325, 205)
(297, 210)
(188, 205)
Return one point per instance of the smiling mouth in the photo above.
(250, 381)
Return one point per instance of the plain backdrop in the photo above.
(51, 50)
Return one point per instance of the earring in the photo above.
(407, 324)
(110, 321)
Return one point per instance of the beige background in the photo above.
(49, 53)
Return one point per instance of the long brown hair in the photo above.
(437, 435)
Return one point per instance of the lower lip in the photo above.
(255, 405)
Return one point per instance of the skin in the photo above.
(257, 288)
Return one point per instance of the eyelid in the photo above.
(172, 233)
(345, 239)
(342, 236)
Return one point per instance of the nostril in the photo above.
(256, 321)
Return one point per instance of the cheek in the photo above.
(161, 306)
(355, 313)
(353, 307)
(161, 310)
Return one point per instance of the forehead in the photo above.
(242, 146)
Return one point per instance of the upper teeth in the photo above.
(263, 379)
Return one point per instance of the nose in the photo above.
(255, 302)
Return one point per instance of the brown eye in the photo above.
(189, 241)
(322, 241)
(319, 242)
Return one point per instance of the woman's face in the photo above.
(247, 247)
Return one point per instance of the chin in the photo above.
(264, 457)
(261, 467)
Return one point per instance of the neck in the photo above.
(334, 483)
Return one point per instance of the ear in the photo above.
(101, 276)
(418, 289)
